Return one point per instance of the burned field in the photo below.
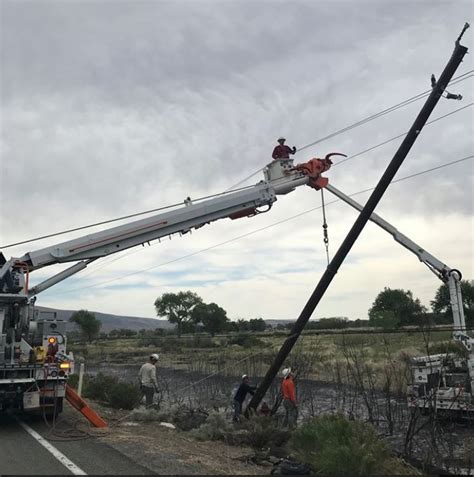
(362, 377)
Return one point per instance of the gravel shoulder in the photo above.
(167, 451)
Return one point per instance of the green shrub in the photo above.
(245, 340)
(99, 387)
(263, 431)
(111, 391)
(73, 380)
(258, 432)
(333, 445)
(187, 419)
(124, 396)
(148, 341)
(171, 345)
(216, 427)
(199, 342)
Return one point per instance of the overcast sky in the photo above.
(114, 107)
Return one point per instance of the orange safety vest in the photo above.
(288, 389)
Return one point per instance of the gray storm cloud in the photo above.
(113, 107)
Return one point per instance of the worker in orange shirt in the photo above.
(288, 391)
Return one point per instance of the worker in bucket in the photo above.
(282, 151)
(288, 391)
(240, 396)
(147, 378)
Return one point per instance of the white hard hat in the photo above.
(244, 376)
(155, 356)
(285, 373)
(281, 138)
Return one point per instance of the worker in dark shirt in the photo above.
(282, 151)
(240, 396)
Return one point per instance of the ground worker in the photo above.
(148, 381)
(282, 151)
(240, 396)
(288, 391)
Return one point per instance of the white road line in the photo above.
(57, 454)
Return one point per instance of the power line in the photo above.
(104, 222)
(245, 179)
(383, 112)
(338, 163)
(434, 168)
(408, 101)
(82, 227)
(95, 285)
(400, 135)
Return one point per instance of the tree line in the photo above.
(190, 313)
(391, 309)
(394, 308)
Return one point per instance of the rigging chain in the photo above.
(325, 226)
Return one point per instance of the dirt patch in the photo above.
(167, 451)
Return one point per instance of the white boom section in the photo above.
(448, 275)
(236, 204)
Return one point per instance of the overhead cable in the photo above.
(104, 222)
(233, 188)
(399, 136)
(457, 161)
(402, 104)
(384, 112)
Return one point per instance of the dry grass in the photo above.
(221, 354)
(320, 357)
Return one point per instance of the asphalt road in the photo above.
(22, 454)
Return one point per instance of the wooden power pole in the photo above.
(359, 224)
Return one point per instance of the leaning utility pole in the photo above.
(359, 224)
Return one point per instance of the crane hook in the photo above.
(328, 156)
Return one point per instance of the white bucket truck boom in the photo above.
(34, 363)
(440, 381)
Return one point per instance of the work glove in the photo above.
(294, 149)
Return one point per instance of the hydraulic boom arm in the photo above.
(280, 178)
(448, 275)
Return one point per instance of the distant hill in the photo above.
(275, 323)
(113, 322)
(116, 322)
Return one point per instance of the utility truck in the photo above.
(34, 362)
